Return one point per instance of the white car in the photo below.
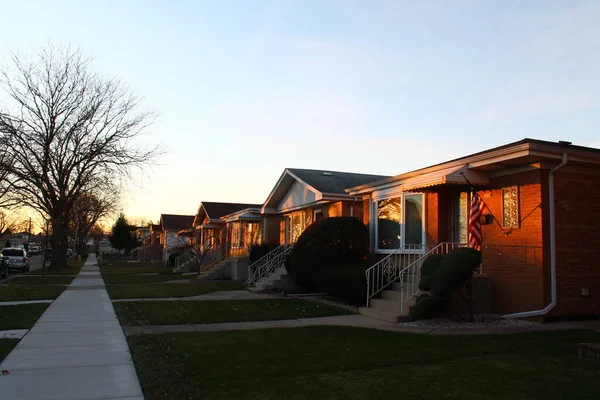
(16, 258)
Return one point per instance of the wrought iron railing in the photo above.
(403, 266)
(261, 269)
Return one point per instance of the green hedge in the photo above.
(330, 256)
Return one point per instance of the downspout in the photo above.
(552, 304)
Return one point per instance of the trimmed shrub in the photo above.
(258, 251)
(455, 270)
(330, 256)
(428, 269)
(428, 307)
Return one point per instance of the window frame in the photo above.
(375, 230)
(518, 206)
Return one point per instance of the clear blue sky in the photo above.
(246, 88)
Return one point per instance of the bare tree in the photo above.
(65, 129)
(90, 208)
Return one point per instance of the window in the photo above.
(510, 207)
(400, 222)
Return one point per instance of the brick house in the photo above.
(302, 196)
(170, 225)
(234, 224)
(541, 226)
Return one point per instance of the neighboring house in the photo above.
(16, 239)
(302, 196)
(213, 219)
(170, 225)
(541, 226)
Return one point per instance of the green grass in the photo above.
(72, 268)
(117, 278)
(124, 269)
(155, 290)
(355, 363)
(6, 346)
(36, 279)
(21, 316)
(207, 312)
(15, 292)
(130, 274)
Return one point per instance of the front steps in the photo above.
(389, 307)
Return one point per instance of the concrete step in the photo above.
(381, 315)
(387, 305)
(394, 295)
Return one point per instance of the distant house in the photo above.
(170, 225)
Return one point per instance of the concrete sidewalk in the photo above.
(359, 321)
(76, 350)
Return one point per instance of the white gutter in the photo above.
(552, 304)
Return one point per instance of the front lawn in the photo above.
(125, 269)
(73, 267)
(208, 312)
(38, 279)
(355, 363)
(6, 346)
(123, 278)
(156, 290)
(21, 316)
(15, 292)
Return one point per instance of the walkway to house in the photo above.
(76, 350)
(358, 321)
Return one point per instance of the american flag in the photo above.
(477, 207)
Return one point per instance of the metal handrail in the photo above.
(403, 266)
(259, 270)
(184, 258)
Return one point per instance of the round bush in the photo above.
(329, 257)
(455, 269)
(428, 268)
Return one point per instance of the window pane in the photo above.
(510, 207)
(389, 216)
(413, 229)
(296, 227)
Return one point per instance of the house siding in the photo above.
(577, 219)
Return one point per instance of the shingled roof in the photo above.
(333, 181)
(173, 222)
(216, 210)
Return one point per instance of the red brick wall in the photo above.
(270, 224)
(516, 261)
(577, 218)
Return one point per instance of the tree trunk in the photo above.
(59, 243)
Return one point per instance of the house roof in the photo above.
(524, 152)
(326, 181)
(173, 222)
(216, 210)
(319, 186)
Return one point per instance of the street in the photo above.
(35, 262)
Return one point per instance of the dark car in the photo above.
(16, 258)
(3, 267)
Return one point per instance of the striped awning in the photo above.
(447, 176)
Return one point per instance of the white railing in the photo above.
(265, 266)
(403, 266)
(184, 257)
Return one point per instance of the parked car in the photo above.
(3, 267)
(34, 250)
(16, 258)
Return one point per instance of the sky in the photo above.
(244, 89)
